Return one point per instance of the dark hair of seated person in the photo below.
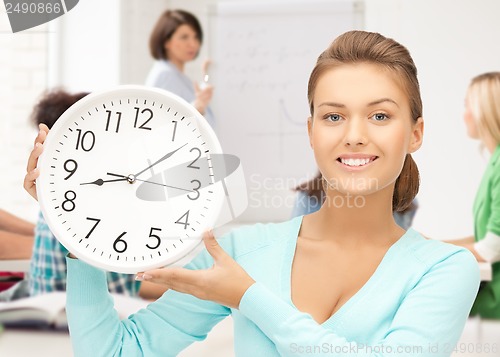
(52, 104)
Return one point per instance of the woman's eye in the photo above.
(380, 117)
(333, 117)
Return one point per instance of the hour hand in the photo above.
(100, 182)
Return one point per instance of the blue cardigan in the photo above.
(415, 303)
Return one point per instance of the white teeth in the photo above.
(355, 162)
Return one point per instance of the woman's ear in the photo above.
(309, 130)
(417, 136)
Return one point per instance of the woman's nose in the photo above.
(356, 133)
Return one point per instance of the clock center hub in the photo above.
(131, 179)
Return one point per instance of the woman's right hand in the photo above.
(203, 97)
(32, 171)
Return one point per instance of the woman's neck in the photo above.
(178, 64)
(490, 144)
(357, 219)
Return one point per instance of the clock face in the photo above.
(126, 181)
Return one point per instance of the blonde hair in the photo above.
(484, 101)
(369, 47)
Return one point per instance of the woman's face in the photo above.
(183, 46)
(470, 121)
(362, 129)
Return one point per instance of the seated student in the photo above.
(482, 120)
(311, 195)
(48, 261)
(341, 281)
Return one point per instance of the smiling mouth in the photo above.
(351, 162)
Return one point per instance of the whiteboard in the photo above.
(263, 53)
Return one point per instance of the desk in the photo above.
(21, 266)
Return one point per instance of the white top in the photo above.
(167, 76)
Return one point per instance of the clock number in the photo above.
(119, 114)
(175, 129)
(119, 240)
(195, 190)
(158, 239)
(88, 144)
(199, 155)
(185, 222)
(69, 201)
(146, 110)
(95, 225)
(69, 169)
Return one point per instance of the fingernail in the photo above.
(141, 277)
(38, 145)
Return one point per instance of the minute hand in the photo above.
(160, 160)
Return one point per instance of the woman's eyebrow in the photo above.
(331, 104)
(382, 100)
(375, 102)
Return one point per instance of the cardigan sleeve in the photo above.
(164, 328)
(493, 224)
(489, 247)
(428, 321)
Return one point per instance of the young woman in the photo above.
(343, 280)
(176, 39)
(482, 120)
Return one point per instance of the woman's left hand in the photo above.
(224, 283)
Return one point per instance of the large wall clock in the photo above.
(130, 178)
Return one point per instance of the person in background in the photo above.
(175, 40)
(341, 281)
(311, 195)
(482, 121)
(48, 260)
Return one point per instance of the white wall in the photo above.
(88, 46)
(23, 75)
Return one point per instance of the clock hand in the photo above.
(100, 182)
(160, 160)
(160, 184)
(152, 182)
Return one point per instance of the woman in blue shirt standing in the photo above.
(175, 40)
(345, 280)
